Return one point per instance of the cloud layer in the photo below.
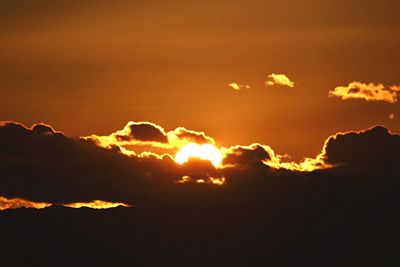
(41, 165)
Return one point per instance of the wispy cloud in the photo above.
(368, 92)
(279, 79)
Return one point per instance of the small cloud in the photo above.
(392, 116)
(238, 87)
(234, 86)
(395, 88)
(145, 132)
(280, 79)
(368, 92)
(251, 155)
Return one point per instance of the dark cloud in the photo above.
(42, 129)
(141, 137)
(347, 208)
(192, 136)
(41, 164)
(247, 155)
(375, 148)
(200, 169)
(143, 131)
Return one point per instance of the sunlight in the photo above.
(205, 152)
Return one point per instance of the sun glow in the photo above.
(205, 152)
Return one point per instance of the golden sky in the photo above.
(90, 67)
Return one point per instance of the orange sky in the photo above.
(91, 67)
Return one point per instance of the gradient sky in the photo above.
(89, 67)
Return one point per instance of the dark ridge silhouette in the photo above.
(318, 226)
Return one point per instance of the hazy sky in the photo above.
(89, 67)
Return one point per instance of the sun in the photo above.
(205, 152)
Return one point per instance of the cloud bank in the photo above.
(41, 165)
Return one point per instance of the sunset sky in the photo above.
(199, 133)
(90, 67)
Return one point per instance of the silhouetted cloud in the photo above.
(46, 166)
(368, 92)
(183, 135)
(375, 148)
(150, 135)
(254, 154)
(41, 165)
(279, 79)
(143, 131)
